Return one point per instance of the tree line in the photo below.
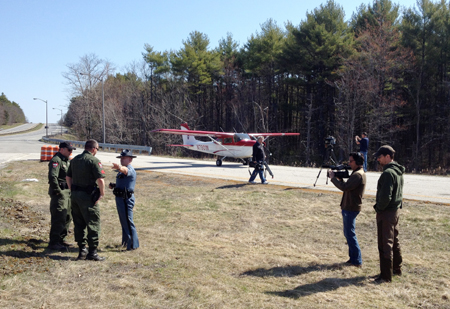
(10, 112)
(385, 71)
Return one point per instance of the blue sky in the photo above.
(39, 38)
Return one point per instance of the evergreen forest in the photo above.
(10, 112)
(385, 71)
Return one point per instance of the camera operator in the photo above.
(351, 203)
(258, 159)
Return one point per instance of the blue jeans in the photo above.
(125, 211)
(261, 175)
(364, 153)
(354, 252)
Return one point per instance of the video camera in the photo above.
(340, 171)
(330, 140)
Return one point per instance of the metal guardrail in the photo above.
(117, 147)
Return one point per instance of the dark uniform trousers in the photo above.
(86, 219)
(388, 244)
(61, 216)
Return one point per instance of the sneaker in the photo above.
(265, 183)
(252, 182)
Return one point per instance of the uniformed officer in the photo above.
(124, 192)
(58, 190)
(85, 180)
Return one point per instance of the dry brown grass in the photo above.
(216, 244)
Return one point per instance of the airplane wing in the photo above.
(255, 135)
(195, 133)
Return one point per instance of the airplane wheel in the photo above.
(219, 162)
(245, 162)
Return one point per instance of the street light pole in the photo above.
(60, 124)
(46, 115)
(103, 110)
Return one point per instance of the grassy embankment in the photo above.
(216, 244)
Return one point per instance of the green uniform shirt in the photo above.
(85, 169)
(57, 170)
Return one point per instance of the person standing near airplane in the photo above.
(258, 159)
(363, 143)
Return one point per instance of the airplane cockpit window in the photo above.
(241, 136)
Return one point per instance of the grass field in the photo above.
(216, 244)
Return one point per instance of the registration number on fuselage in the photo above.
(203, 147)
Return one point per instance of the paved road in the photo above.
(22, 127)
(417, 187)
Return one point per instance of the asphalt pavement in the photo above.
(417, 187)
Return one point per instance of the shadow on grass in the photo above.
(233, 186)
(291, 271)
(38, 246)
(325, 285)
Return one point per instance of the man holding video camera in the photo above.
(351, 203)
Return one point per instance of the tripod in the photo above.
(329, 159)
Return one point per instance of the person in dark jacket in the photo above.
(60, 209)
(258, 159)
(388, 200)
(351, 203)
(363, 143)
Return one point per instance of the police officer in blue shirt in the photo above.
(124, 192)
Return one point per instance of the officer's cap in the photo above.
(126, 153)
(67, 145)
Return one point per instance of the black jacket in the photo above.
(258, 152)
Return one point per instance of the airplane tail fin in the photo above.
(187, 139)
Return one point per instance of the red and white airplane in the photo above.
(222, 144)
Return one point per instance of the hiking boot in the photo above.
(93, 255)
(380, 280)
(82, 253)
(349, 263)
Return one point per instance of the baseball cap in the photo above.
(67, 145)
(384, 150)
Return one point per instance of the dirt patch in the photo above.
(24, 251)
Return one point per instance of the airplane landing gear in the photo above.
(219, 162)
